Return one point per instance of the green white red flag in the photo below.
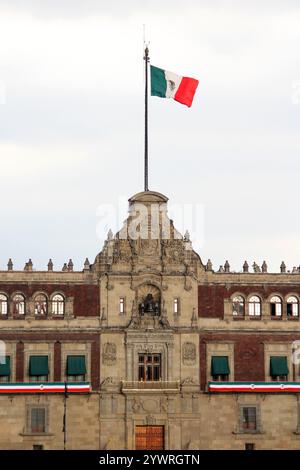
(167, 84)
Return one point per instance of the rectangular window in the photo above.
(276, 309)
(292, 309)
(5, 370)
(149, 367)
(249, 418)
(220, 368)
(76, 368)
(38, 420)
(122, 305)
(279, 368)
(176, 306)
(38, 368)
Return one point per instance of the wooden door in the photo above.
(149, 437)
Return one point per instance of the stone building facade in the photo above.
(148, 348)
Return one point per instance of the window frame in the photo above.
(255, 305)
(148, 370)
(30, 409)
(176, 306)
(220, 377)
(15, 309)
(122, 304)
(5, 302)
(7, 378)
(279, 378)
(258, 426)
(39, 378)
(56, 305)
(77, 377)
(292, 315)
(276, 306)
(237, 313)
(44, 301)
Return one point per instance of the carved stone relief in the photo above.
(188, 353)
(109, 354)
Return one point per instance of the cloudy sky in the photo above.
(71, 124)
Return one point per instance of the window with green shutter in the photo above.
(76, 368)
(279, 368)
(5, 370)
(220, 368)
(38, 368)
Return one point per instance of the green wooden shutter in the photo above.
(38, 365)
(76, 365)
(278, 366)
(5, 368)
(220, 365)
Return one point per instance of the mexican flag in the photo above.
(169, 85)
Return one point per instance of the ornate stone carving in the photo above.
(109, 384)
(188, 381)
(188, 353)
(150, 405)
(136, 405)
(109, 354)
(150, 420)
(249, 354)
(164, 405)
(149, 247)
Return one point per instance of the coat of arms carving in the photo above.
(109, 354)
(188, 353)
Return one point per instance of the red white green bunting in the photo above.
(255, 387)
(51, 387)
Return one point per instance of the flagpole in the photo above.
(146, 59)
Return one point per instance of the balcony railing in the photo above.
(151, 385)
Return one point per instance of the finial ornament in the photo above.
(187, 236)
(227, 267)
(110, 235)
(245, 267)
(86, 265)
(264, 267)
(283, 267)
(10, 265)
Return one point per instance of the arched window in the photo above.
(292, 306)
(58, 304)
(238, 306)
(254, 306)
(3, 304)
(40, 304)
(18, 302)
(276, 306)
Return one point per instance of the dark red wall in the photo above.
(211, 297)
(249, 364)
(211, 301)
(86, 296)
(59, 338)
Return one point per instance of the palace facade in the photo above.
(149, 348)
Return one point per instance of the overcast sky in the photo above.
(71, 124)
